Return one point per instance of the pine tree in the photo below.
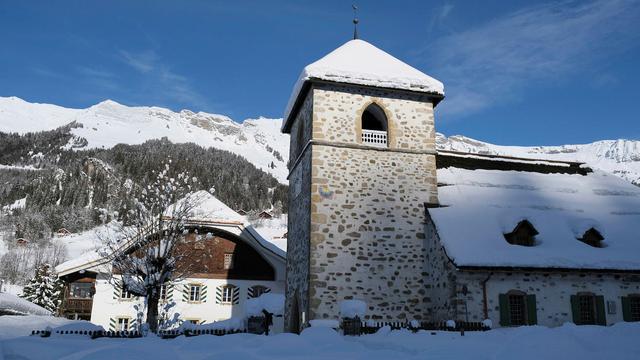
(45, 289)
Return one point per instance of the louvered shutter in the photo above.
(505, 319)
(601, 317)
(203, 293)
(236, 295)
(575, 309)
(113, 322)
(186, 289)
(532, 314)
(626, 308)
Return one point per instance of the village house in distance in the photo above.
(233, 263)
(377, 214)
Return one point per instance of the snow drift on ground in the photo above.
(12, 326)
(561, 207)
(620, 342)
(13, 303)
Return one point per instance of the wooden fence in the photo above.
(94, 334)
(359, 327)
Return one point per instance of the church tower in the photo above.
(362, 170)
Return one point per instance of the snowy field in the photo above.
(621, 341)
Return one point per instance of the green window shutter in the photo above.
(112, 324)
(601, 317)
(532, 315)
(575, 311)
(626, 308)
(505, 320)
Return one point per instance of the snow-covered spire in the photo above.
(358, 62)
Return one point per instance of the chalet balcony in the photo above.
(375, 138)
(78, 306)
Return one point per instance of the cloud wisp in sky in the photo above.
(162, 82)
(488, 63)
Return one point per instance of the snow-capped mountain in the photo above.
(259, 140)
(109, 123)
(620, 157)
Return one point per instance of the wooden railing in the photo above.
(81, 306)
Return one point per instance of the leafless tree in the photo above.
(145, 253)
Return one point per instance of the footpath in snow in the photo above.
(621, 341)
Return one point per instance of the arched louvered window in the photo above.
(375, 126)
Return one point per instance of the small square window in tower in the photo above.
(374, 126)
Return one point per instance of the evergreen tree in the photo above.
(45, 289)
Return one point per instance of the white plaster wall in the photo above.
(553, 293)
(105, 307)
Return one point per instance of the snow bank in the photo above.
(79, 326)
(327, 323)
(620, 342)
(12, 304)
(560, 206)
(353, 308)
(273, 303)
(234, 323)
(16, 326)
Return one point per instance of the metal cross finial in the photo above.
(355, 21)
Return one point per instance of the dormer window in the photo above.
(592, 237)
(523, 234)
(374, 126)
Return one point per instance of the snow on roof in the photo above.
(561, 207)
(13, 304)
(82, 262)
(208, 208)
(358, 62)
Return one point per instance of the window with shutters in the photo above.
(588, 309)
(125, 294)
(517, 308)
(123, 324)
(227, 294)
(163, 292)
(257, 290)
(194, 292)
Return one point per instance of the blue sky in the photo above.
(515, 72)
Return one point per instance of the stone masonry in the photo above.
(366, 235)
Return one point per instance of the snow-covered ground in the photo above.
(621, 341)
(12, 326)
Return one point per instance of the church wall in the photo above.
(297, 278)
(367, 205)
(552, 290)
(441, 277)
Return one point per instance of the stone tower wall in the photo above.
(367, 234)
(297, 278)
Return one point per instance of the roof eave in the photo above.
(435, 98)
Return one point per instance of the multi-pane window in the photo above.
(517, 309)
(586, 309)
(194, 292)
(123, 324)
(79, 290)
(227, 295)
(125, 294)
(228, 261)
(257, 290)
(634, 308)
(163, 292)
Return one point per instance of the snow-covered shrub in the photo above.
(487, 323)
(451, 324)
(352, 308)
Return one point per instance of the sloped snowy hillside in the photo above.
(109, 123)
(260, 141)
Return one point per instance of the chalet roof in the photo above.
(560, 206)
(358, 62)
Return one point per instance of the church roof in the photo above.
(358, 62)
(480, 206)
